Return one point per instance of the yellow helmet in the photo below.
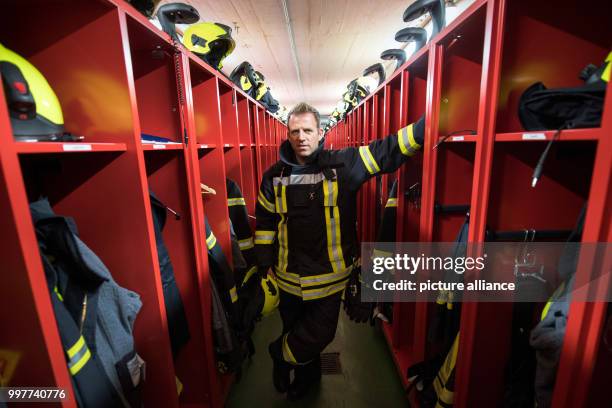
(271, 296)
(265, 296)
(212, 42)
(34, 109)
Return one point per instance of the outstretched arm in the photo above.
(385, 155)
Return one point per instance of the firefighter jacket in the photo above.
(387, 230)
(240, 221)
(94, 315)
(306, 214)
(231, 345)
(178, 328)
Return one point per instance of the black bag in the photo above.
(542, 109)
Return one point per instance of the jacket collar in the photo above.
(287, 155)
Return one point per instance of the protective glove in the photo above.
(355, 309)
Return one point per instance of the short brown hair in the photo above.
(303, 107)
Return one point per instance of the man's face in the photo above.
(304, 135)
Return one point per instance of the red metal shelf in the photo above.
(459, 139)
(541, 135)
(161, 146)
(207, 146)
(57, 147)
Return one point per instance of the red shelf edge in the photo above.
(206, 145)
(543, 135)
(460, 139)
(161, 146)
(62, 147)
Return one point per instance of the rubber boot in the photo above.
(281, 369)
(306, 376)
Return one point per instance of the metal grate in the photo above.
(330, 364)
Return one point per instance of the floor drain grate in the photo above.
(330, 364)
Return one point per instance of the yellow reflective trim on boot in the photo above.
(287, 353)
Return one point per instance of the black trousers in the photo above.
(308, 326)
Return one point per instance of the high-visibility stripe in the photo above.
(288, 276)
(281, 202)
(267, 205)
(283, 244)
(325, 278)
(605, 75)
(76, 347)
(407, 143)
(246, 243)
(211, 241)
(78, 356)
(287, 287)
(59, 295)
(442, 404)
(392, 202)
(552, 298)
(334, 247)
(78, 365)
(263, 237)
(287, 354)
(311, 294)
(233, 294)
(301, 179)
(441, 380)
(235, 201)
(249, 273)
(330, 193)
(368, 160)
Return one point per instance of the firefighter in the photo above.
(306, 235)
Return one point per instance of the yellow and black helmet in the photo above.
(271, 295)
(213, 42)
(244, 77)
(34, 109)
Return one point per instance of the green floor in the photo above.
(368, 378)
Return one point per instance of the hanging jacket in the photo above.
(306, 214)
(178, 328)
(248, 282)
(240, 221)
(547, 336)
(233, 348)
(386, 234)
(95, 315)
(436, 375)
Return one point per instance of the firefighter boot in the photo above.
(306, 376)
(280, 368)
